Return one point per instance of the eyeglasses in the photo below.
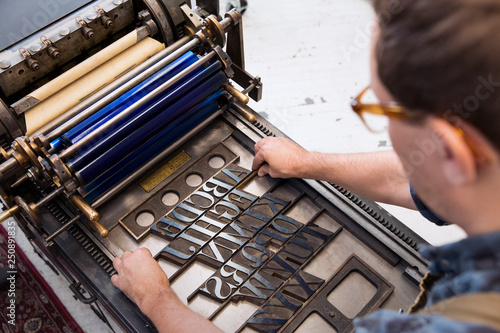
(375, 117)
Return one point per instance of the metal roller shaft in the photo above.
(112, 109)
(123, 84)
(9, 166)
(61, 229)
(109, 194)
(128, 138)
(118, 87)
(134, 107)
(155, 146)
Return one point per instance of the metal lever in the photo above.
(91, 214)
(8, 213)
(61, 229)
(237, 94)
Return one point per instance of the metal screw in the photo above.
(92, 16)
(144, 15)
(331, 314)
(106, 22)
(35, 48)
(88, 32)
(53, 52)
(4, 64)
(64, 31)
(32, 63)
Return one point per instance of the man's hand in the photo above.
(142, 280)
(280, 158)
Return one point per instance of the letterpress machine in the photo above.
(124, 124)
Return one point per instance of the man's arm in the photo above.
(144, 282)
(375, 176)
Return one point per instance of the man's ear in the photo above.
(456, 159)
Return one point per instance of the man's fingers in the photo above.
(117, 263)
(115, 280)
(259, 144)
(258, 161)
(263, 170)
(144, 250)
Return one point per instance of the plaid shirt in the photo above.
(471, 265)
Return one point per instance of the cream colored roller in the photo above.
(85, 66)
(84, 87)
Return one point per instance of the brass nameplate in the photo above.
(165, 171)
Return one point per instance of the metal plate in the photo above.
(320, 304)
(20, 19)
(158, 205)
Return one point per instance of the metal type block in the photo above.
(231, 206)
(274, 270)
(285, 302)
(250, 256)
(160, 204)
(198, 203)
(198, 228)
(202, 231)
(213, 252)
(296, 253)
(235, 272)
(302, 286)
(277, 235)
(319, 303)
(260, 286)
(220, 249)
(268, 205)
(307, 241)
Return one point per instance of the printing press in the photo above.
(124, 124)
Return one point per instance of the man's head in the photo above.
(440, 59)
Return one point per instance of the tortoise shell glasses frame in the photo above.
(397, 111)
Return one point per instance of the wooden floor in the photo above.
(312, 57)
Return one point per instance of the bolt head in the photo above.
(64, 31)
(4, 64)
(91, 16)
(35, 48)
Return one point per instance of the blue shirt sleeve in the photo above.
(384, 321)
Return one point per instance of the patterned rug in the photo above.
(27, 303)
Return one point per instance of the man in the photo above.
(436, 74)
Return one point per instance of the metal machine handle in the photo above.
(91, 214)
(8, 213)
